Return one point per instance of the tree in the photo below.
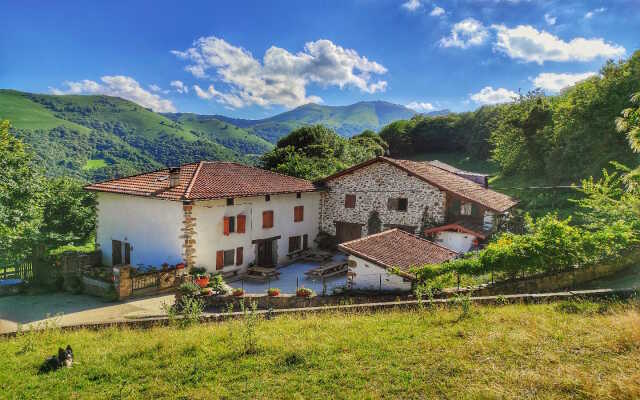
(69, 213)
(629, 123)
(20, 209)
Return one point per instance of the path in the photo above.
(73, 309)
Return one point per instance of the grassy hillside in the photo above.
(508, 352)
(222, 132)
(95, 137)
(346, 120)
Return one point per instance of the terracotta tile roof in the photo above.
(461, 226)
(451, 168)
(206, 180)
(396, 248)
(443, 180)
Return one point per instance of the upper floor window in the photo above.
(298, 213)
(230, 202)
(466, 208)
(350, 201)
(398, 204)
(267, 219)
(267, 198)
(298, 195)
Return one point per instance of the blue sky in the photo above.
(255, 59)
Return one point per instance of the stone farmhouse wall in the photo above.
(373, 185)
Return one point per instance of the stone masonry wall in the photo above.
(373, 185)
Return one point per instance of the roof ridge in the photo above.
(259, 169)
(187, 192)
(138, 174)
(370, 236)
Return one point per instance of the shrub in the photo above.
(304, 292)
(273, 292)
(238, 292)
(189, 289)
(218, 284)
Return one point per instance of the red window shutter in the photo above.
(298, 213)
(267, 219)
(226, 226)
(219, 259)
(239, 256)
(241, 221)
(350, 201)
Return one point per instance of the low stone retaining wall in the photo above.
(95, 287)
(568, 279)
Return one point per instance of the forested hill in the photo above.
(555, 139)
(346, 120)
(97, 137)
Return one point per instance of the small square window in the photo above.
(298, 195)
(267, 198)
(465, 208)
(350, 201)
(229, 257)
(398, 204)
(230, 202)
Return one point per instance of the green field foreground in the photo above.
(546, 351)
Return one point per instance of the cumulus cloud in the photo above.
(437, 11)
(553, 82)
(591, 13)
(412, 5)
(550, 19)
(118, 86)
(420, 106)
(466, 33)
(179, 86)
(281, 77)
(526, 43)
(489, 95)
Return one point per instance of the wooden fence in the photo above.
(23, 270)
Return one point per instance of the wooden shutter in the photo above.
(267, 219)
(116, 252)
(239, 252)
(350, 201)
(298, 213)
(127, 253)
(241, 222)
(226, 225)
(219, 259)
(305, 241)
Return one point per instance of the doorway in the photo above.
(266, 256)
(346, 231)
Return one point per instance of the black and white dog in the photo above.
(64, 359)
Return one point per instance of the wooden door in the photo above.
(265, 253)
(346, 231)
(116, 252)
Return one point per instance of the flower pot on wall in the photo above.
(202, 281)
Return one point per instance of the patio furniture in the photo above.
(318, 256)
(262, 274)
(330, 269)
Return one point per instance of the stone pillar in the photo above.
(188, 234)
(122, 282)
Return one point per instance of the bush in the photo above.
(189, 289)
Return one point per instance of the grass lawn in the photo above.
(514, 351)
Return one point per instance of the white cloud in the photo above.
(555, 82)
(489, 95)
(466, 33)
(437, 11)
(526, 43)
(591, 13)
(179, 86)
(118, 86)
(282, 77)
(412, 5)
(420, 106)
(157, 89)
(550, 19)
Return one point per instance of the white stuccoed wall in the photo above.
(366, 276)
(210, 215)
(152, 226)
(373, 185)
(456, 241)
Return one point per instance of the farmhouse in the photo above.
(225, 216)
(382, 261)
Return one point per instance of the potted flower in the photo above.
(238, 292)
(201, 276)
(304, 292)
(180, 266)
(273, 292)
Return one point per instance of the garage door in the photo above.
(346, 231)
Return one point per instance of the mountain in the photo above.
(438, 113)
(346, 120)
(96, 137)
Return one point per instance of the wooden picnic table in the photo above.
(330, 269)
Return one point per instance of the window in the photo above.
(230, 202)
(242, 223)
(398, 204)
(298, 213)
(294, 243)
(229, 225)
(267, 219)
(298, 195)
(116, 252)
(267, 198)
(229, 257)
(465, 208)
(350, 201)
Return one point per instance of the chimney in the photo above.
(174, 176)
